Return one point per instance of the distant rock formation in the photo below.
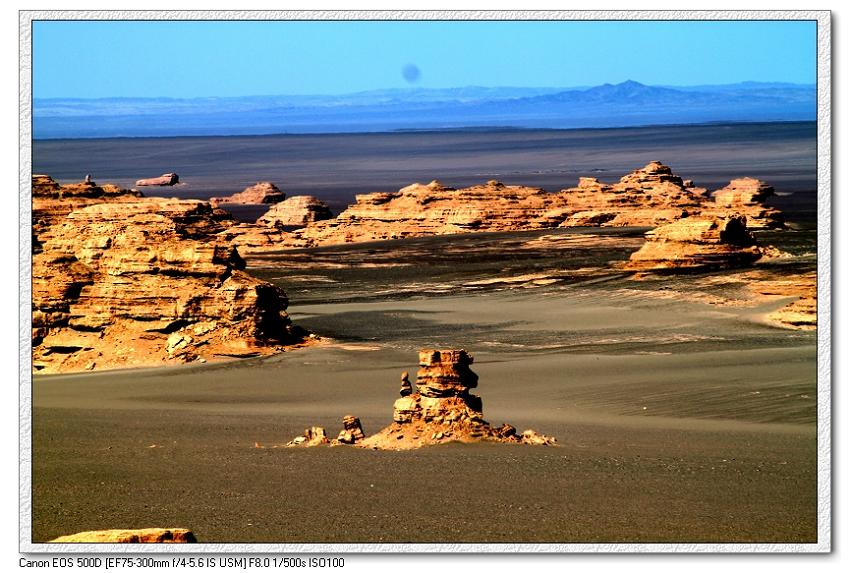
(434, 209)
(646, 197)
(263, 193)
(296, 211)
(152, 535)
(746, 197)
(143, 283)
(697, 243)
(441, 410)
(164, 180)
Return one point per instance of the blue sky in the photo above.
(89, 59)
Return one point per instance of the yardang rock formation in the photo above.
(296, 211)
(263, 193)
(440, 410)
(143, 282)
(697, 243)
(648, 197)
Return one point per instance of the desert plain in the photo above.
(682, 412)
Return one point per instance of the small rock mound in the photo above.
(152, 535)
(263, 193)
(296, 211)
(697, 243)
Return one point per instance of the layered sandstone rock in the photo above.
(434, 209)
(801, 312)
(440, 410)
(151, 535)
(352, 431)
(646, 197)
(263, 193)
(697, 243)
(51, 201)
(250, 238)
(141, 283)
(296, 211)
(164, 180)
(649, 197)
(746, 197)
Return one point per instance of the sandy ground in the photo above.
(679, 438)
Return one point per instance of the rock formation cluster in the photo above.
(697, 243)
(434, 209)
(646, 197)
(439, 410)
(650, 196)
(263, 193)
(143, 281)
(151, 535)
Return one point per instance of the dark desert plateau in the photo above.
(645, 296)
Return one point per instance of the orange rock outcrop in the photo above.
(263, 193)
(151, 535)
(746, 197)
(697, 243)
(439, 410)
(52, 201)
(296, 211)
(434, 209)
(647, 197)
(143, 282)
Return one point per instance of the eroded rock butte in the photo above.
(697, 243)
(439, 410)
(143, 282)
(164, 180)
(296, 211)
(263, 193)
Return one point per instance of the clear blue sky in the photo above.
(191, 59)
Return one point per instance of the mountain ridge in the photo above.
(627, 103)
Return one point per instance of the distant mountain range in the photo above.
(626, 104)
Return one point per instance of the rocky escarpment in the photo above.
(141, 283)
(151, 535)
(650, 196)
(263, 193)
(438, 410)
(296, 211)
(434, 209)
(646, 197)
(746, 197)
(697, 243)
